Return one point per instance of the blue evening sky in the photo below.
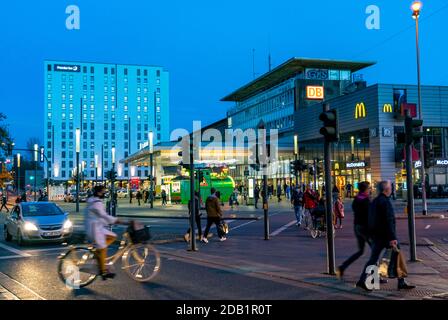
(207, 46)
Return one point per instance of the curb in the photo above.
(432, 216)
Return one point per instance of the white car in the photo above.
(122, 193)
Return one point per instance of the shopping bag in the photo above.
(223, 228)
(388, 265)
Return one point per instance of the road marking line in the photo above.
(246, 223)
(11, 257)
(22, 285)
(428, 226)
(14, 250)
(283, 228)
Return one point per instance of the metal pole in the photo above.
(422, 148)
(315, 174)
(112, 190)
(151, 183)
(102, 164)
(35, 180)
(265, 207)
(77, 181)
(329, 205)
(192, 199)
(296, 157)
(410, 196)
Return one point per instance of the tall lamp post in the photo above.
(77, 149)
(18, 174)
(151, 178)
(96, 169)
(416, 8)
(112, 188)
(36, 148)
(296, 157)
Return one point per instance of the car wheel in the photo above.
(20, 240)
(7, 236)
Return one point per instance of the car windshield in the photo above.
(40, 209)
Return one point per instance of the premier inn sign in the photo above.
(67, 68)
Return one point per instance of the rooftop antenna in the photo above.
(269, 61)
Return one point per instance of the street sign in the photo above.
(315, 92)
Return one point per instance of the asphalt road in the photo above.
(30, 271)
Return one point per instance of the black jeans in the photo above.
(362, 239)
(377, 247)
(210, 221)
(197, 218)
(256, 203)
(4, 206)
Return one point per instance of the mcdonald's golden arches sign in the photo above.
(360, 110)
(387, 108)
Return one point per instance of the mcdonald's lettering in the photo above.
(360, 110)
(387, 108)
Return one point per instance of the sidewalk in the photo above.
(293, 257)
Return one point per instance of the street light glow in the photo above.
(36, 148)
(296, 144)
(113, 155)
(416, 7)
(151, 141)
(78, 140)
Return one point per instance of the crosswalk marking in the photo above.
(14, 250)
(283, 228)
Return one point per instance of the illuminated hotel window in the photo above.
(125, 117)
(63, 97)
(139, 90)
(92, 107)
(71, 106)
(112, 89)
(84, 107)
(105, 89)
(71, 116)
(49, 106)
(138, 108)
(125, 108)
(105, 98)
(63, 116)
(63, 106)
(84, 116)
(105, 107)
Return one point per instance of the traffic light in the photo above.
(330, 130)
(9, 149)
(412, 130)
(292, 168)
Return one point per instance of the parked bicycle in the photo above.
(80, 265)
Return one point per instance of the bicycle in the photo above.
(79, 266)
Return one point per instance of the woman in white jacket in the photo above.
(96, 225)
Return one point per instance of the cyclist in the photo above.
(96, 222)
(311, 199)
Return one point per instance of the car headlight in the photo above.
(28, 226)
(67, 224)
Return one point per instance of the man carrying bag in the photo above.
(382, 229)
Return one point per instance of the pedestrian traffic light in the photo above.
(330, 130)
(9, 149)
(413, 130)
(292, 168)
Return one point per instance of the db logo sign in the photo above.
(315, 92)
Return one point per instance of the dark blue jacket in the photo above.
(382, 219)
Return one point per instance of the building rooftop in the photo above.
(289, 69)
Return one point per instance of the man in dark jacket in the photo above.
(360, 208)
(214, 215)
(256, 196)
(297, 203)
(382, 229)
(197, 216)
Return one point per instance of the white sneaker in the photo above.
(223, 239)
(205, 240)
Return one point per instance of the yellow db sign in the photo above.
(315, 92)
(360, 110)
(387, 108)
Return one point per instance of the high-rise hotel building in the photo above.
(113, 105)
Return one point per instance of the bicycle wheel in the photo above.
(141, 262)
(78, 267)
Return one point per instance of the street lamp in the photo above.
(77, 149)
(36, 148)
(18, 174)
(296, 156)
(112, 181)
(151, 178)
(96, 169)
(416, 8)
